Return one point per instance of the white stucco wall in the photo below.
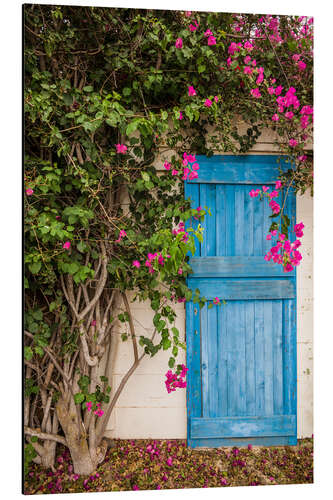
(146, 410)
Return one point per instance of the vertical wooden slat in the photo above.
(207, 198)
(193, 355)
(239, 221)
(192, 191)
(221, 227)
(289, 357)
(233, 380)
(222, 382)
(204, 360)
(248, 228)
(230, 220)
(258, 226)
(277, 357)
(241, 355)
(212, 361)
(268, 348)
(250, 358)
(266, 244)
(259, 354)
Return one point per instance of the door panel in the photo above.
(242, 355)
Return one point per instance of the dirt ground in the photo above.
(169, 464)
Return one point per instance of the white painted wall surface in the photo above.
(146, 410)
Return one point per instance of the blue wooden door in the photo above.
(241, 356)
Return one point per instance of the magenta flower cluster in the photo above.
(98, 411)
(173, 380)
(283, 251)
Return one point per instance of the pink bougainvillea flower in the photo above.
(299, 229)
(249, 446)
(216, 99)
(121, 148)
(208, 33)
(188, 13)
(208, 103)
(99, 413)
(191, 91)
(93, 323)
(275, 117)
(260, 79)
(278, 90)
(296, 57)
(301, 65)
(274, 232)
(248, 46)
(169, 461)
(122, 234)
(271, 90)
(174, 172)
(247, 60)
(167, 165)
(278, 184)
(254, 62)
(89, 405)
(254, 193)
(265, 189)
(255, 93)
(179, 43)
(289, 115)
(302, 158)
(66, 245)
(180, 117)
(29, 191)
(180, 271)
(293, 143)
(136, 263)
(273, 194)
(288, 267)
(275, 207)
(194, 26)
(216, 301)
(232, 48)
(211, 40)
(247, 70)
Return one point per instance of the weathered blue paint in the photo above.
(241, 356)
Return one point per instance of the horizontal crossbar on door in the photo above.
(236, 267)
(244, 288)
(246, 427)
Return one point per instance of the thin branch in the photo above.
(131, 325)
(45, 435)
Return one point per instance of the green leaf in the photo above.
(28, 353)
(39, 350)
(132, 127)
(171, 362)
(88, 88)
(34, 439)
(35, 267)
(79, 398)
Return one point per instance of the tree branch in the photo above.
(45, 435)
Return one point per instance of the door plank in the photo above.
(278, 425)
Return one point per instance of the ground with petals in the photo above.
(169, 464)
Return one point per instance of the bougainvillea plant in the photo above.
(107, 93)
